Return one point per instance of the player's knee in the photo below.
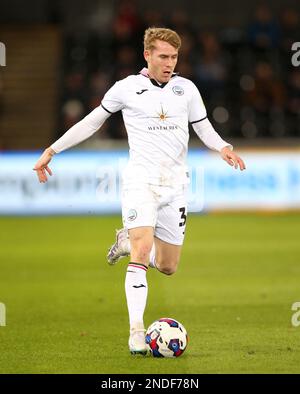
(167, 269)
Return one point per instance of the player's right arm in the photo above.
(76, 134)
(112, 102)
(41, 166)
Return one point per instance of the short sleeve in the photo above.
(197, 110)
(113, 99)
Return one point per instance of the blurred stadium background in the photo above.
(61, 57)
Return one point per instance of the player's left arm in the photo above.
(212, 140)
(206, 132)
(232, 158)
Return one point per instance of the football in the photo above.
(166, 337)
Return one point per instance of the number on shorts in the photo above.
(183, 216)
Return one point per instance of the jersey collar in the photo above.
(144, 72)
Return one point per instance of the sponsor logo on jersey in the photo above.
(162, 128)
(178, 90)
(162, 116)
(132, 214)
(142, 91)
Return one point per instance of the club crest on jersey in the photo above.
(178, 90)
(132, 214)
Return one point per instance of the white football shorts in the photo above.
(162, 207)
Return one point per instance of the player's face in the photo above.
(161, 61)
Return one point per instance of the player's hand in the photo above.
(232, 158)
(41, 166)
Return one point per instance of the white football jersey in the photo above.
(156, 118)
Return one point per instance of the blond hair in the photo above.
(159, 33)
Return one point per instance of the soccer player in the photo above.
(157, 106)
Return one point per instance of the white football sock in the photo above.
(152, 261)
(136, 289)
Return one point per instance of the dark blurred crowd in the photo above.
(245, 75)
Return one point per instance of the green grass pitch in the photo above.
(66, 309)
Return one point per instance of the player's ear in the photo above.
(146, 55)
